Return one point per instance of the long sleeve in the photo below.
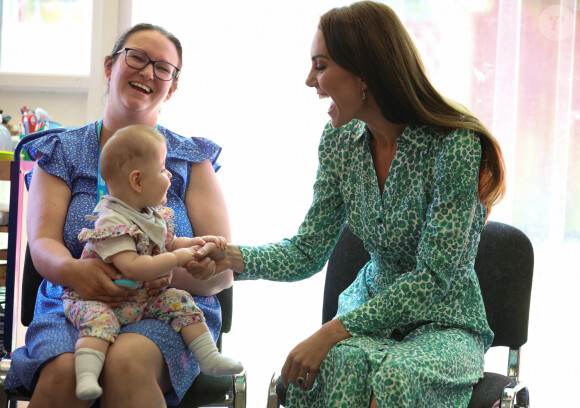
(442, 286)
(422, 232)
(307, 252)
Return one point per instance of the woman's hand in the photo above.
(204, 266)
(155, 286)
(303, 363)
(94, 281)
(202, 269)
(226, 258)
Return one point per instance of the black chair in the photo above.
(206, 391)
(504, 266)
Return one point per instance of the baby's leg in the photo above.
(211, 361)
(89, 359)
(178, 308)
(97, 327)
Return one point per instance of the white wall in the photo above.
(67, 108)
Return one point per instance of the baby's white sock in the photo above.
(211, 362)
(88, 366)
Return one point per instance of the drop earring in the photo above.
(364, 95)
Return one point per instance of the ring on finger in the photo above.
(301, 380)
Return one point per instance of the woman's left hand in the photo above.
(202, 269)
(155, 286)
(303, 363)
(204, 266)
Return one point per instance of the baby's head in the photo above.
(134, 157)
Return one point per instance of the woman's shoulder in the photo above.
(70, 134)
(69, 140)
(463, 135)
(461, 141)
(191, 149)
(426, 137)
(450, 150)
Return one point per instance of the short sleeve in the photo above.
(52, 159)
(191, 149)
(70, 154)
(106, 248)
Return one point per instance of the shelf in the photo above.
(4, 170)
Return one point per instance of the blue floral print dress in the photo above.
(415, 311)
(73, 156)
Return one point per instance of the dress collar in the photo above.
(414, 136)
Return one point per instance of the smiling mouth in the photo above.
(323, 96)
(331, 107)
(141, 87)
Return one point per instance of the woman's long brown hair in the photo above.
(368, 39)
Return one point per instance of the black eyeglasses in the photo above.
(136, 59)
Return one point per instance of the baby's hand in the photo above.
(220, 242)
(184, 255)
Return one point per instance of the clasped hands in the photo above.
(93, 279)
(204, 251)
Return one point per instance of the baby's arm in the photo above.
(198, 242)
(145, 268)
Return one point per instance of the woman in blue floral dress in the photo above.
(142, 71)
(414, 177)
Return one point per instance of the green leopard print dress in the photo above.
(415, 312)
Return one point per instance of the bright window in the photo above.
(46, 36)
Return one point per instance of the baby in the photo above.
(128, 231)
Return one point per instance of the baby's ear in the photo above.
(136, 181)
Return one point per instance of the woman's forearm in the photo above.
(182, 279)
(53, 261)
(334, 332)
(48, 203)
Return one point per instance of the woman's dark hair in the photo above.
(119, 45)
(369, 40)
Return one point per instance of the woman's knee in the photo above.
(132, 351)
(133, 356)
(56, 384)
(396, 372)
(397, 384)
(397, 378)
(58, 372)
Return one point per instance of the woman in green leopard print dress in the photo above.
(414, 177)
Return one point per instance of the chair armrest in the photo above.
(4, 367)
(515, 395)
(240, 384)
(273, 400)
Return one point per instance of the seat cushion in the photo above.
(487, 392)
